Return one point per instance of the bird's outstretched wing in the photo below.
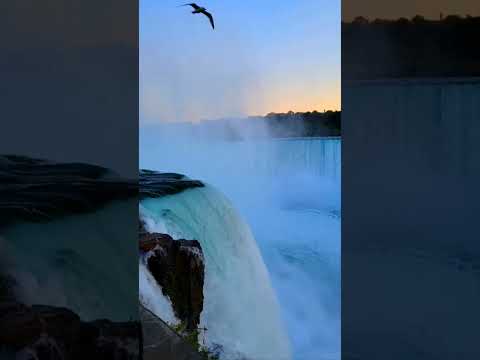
(193, 5)
(210, 17)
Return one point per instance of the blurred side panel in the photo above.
(69, 73)
(68, 179)
(411, 168)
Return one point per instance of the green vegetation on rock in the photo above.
(192, 337)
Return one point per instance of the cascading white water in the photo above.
(151, 295)
(79, 261)
(240, 309)
(260, 158)
(288, 191)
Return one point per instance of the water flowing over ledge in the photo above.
(241, 313)
(288, 192)
(67, 233)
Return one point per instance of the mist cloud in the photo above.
(256, 60)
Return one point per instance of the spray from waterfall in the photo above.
(288, 192)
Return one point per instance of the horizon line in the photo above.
(240, 117)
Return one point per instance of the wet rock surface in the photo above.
(36, 190)
(154, 184)
(178, 267)
(44, 332)
(162, 342)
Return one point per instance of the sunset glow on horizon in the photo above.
(261, 58)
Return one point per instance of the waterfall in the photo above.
(288, 192)
(207, 160)
(80, 262)
(240, 311)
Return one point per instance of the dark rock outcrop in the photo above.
(35, 190)
(178, 267)
(162, 342)
(43, 332)
(154, 184)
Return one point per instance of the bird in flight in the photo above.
(201, 10)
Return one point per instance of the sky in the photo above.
(263, 56)
(390, 9)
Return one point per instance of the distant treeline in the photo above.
(276, 125)
(304, 123)
(415, 47)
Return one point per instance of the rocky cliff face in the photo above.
(162, 343)
(40, 191)
(42, 332)
(178, 267)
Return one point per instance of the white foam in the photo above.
(240, 311)
(288, 191)
(151, 296)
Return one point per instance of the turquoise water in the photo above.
(82, 262)
(288, 194)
